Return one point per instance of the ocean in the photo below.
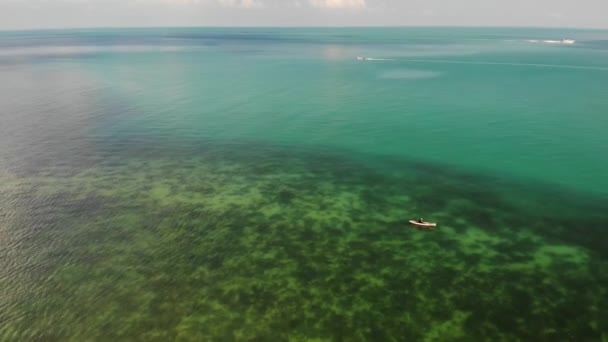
(255, 184)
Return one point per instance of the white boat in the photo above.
(568, 41)
(362, 58)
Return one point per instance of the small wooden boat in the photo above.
(423, 224)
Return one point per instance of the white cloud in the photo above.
(183, 2)
(223, 3)
(241, 3)
(338, 4)
(557, 16)
(329, 4)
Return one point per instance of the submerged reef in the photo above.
(271, 244)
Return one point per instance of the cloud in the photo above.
(247, 4)
(183, 2)
(557, 16)
(339, 4)
(224, 3)
(241, 3)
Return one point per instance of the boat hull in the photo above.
(423, 224)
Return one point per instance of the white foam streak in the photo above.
(539, 65)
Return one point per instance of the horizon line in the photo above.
(299, 27)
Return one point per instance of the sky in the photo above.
(34, 14)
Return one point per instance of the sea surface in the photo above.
(255, 184)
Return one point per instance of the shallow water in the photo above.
(221, 184)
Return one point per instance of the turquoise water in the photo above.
(255, 184)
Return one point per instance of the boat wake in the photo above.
(563, 41)
(374, 59)
(539, 65)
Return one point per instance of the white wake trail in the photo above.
(539, 65)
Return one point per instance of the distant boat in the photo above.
(568, 41)
(359, 58)
(423, 224)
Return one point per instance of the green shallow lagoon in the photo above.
(204, 192)
(224, 245)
